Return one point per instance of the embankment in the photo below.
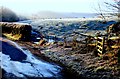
(16, 31)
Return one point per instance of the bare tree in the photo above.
(108, 9)
(101, 13)
(114, 8)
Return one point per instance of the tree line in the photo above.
(7, 15)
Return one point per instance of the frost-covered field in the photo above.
(69, 27)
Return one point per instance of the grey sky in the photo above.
(32, 6)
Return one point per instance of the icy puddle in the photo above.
(19, 63)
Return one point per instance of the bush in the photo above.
(119, 56)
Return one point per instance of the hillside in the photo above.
(8, 15)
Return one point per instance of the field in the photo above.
(66, 42)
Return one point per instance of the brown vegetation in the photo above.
(16, 31)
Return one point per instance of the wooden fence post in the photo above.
(100, 45)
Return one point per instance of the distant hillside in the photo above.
(50, 14)
(8, 15)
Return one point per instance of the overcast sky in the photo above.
(33, 6)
